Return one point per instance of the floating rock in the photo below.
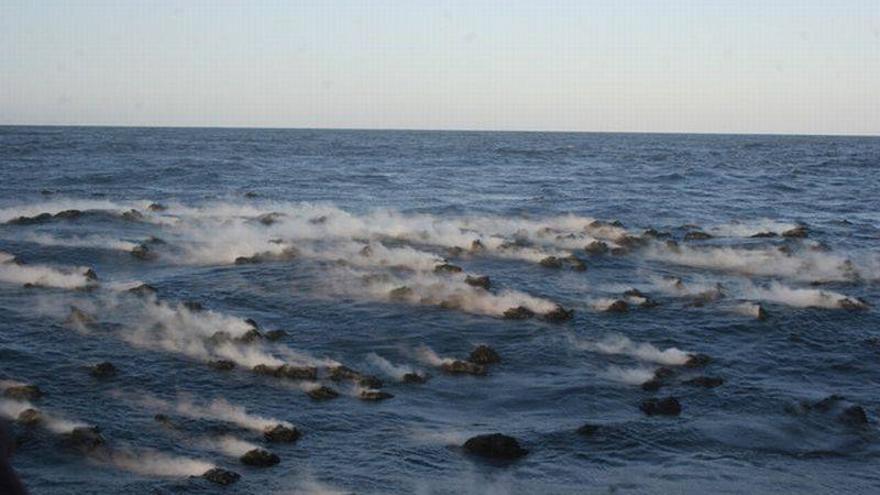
(30, 417)
(495, 446)
(588, 430)
(458, 367)
(447, 268)
(374, 395)
(482, 282)
(697, 235)
(668, 406)
(760, 235)
(103, 370)
(322, 393)
(143, 290)
(221, 476)
(143, 252)
(23, 392)
(414, 378)
(551, 262)
(260, 458)
(705, 381)
(281, 433)
(483, 354)
(86, 437)
(618, 306)
(274, 335)
(518, 313)
(400, 293)
(596, 247)
(222, 364)
(156, 207)
(559, 314)
(697, 360)
(798, 232)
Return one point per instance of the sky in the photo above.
(791, 67)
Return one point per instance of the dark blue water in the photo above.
(411, 196)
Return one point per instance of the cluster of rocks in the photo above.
(571, 261)
(286, 254)
(557, 315)
(477, 362)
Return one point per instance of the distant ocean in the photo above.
(735, 274)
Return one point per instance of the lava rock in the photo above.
(483, 354)
(518, 313)
(30, 417)
(705, 381)
(86, 437)
(156, 207)
(222, 365)
(618, 306)
(463, 368)
(482, 282)
(798, 232)
(103, 370)
(596, 247)
(761, 235)
(322, 393)
(400, 293)
(495, 446)
(281, 433)
(143, 290)
(274, 335)
(414, 378)
(551, 262)
(374, 395)
(668, 406)
(447, 268)
(260, 458)
(221, 476)
(697, 360)
(23, 392)
(559, 314)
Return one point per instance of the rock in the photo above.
(672, 245)
(551, 262)
(103, 370)
(655, 234)
(477, 246)
(156, 207)
(853, 416)
(143, 252)
(635, 293)
(79, 317)
(414, 378)
(38, 219)
(482, 282)
(297, 372)
(221, 476)
(374, 395)
(518, 313)
(23, 392)
(798, 232)
(68, 214)
(319, 220)
(705, 381)
(618, 306)
(30, 417)
(588, 430)
(369, 381)
(638, 297)
(274, 335)
(454, 251)
(260, 458)
(463, 368)
(86, 437)
(483, 354)
(322, 393)
(222, 365)
(761, 313)
(653, 385)
(163, 420)
(269, 218)
(697, 360)
(400, 293)
(249, 337)
(630, 241)
(447, 268)
(576, 263)
(668, 406)
(91, 275)
(676, 282)
(696, 235)
(559, 314)
(596, 247)
(193, 306)
(760, 235)
(852, 304)
(847, 413)
(143, 290)
(618, 251)
(339, 373)
(495, 446)
(281, 433)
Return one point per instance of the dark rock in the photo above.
(618, 306)
(133, 216)
(454, 251)
(618, 251)
(655, 234)
(672, 245)
(318, 220)
(852, 304)
(369, 381)
(786, 250)
(163, 420)
(697, 360)
(463, 368)
(477, 246)
(339, 373)
(400, 293)
(668, 406)
(193, 306)
(705, 381)
(274, 335)
(588, 430)
(853, 416)
(30, 417)
(38, 219)
(495, 446)
(221, 476)
(269, 218)
(761, 314)
(652, 385)
(374, 395)
(576, 263)
(635, 293)
(559, 314)
(246, 260)
(322, 393)
(86, 437)
(697, 235)
(630, 241)
(249, 337)
(103, 370)
(281, 433)
(366, 251)
(143, 252)
(91, 275)
(760, 235)
(482, 282)
(551, 262)
(68, 214)
(664, 373)
(260, 458)
(251, 195)
(447, 268)
(156, 207)
(23, 392)
(222, 365)
(518, 313)
(483, 354)
(596, 247)
(143, 290)
(798, 232)
(297, 372)
(414, 378)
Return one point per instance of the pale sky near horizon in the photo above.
(802, 67)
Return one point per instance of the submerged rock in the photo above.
(143, 252)
(760, 235)
(458, 367)
(103, 370)
(588, 430)
(221, 476)
(847, 413)
(483, 354)
(495, 446)
(518, 313)
(697, 360)
(696, 235)
(260, 458)
(30, 417)
(281, 433)
(414, 378)
(483, 282)
(551, 262)
(852, 304)
(447, 268)
(274, 335)
(322, 393)
(668, 406)
(596, 247)
(23, 392)
(559, 314)
(85, 437)
(705, 381)
(156, 207)
(374, 395)
(222, 364)
(163, 420)
(400, 293)
(618, 306)
(798, 232)
(143, 290)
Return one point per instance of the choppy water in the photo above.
(413, 197)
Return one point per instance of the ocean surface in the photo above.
(334, 237)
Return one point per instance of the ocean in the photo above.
(736, 274)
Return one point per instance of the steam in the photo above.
(621, 345)
(91, 241)
(228, 445)
(152, 463)
(394, 371)
(11, 409)
(799, 298)
(629, 376)
(218, 409)
(428, 356)
(43, 275)
(750, 228)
